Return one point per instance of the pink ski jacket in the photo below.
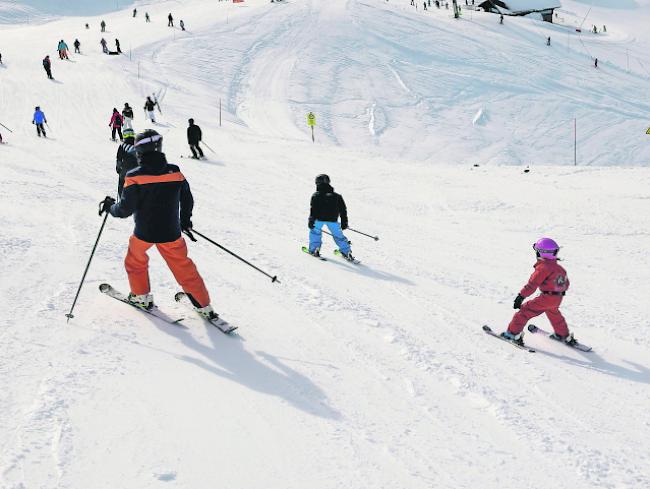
(116, 120)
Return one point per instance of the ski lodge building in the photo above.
(544, 8)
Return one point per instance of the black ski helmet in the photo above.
(322, 178)
(148, 141)
(190, 121)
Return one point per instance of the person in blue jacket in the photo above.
(39, 119)
(63, 50)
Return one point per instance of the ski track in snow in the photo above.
(368, 376)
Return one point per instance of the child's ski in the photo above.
(154, 311)
(576, 344)
(217, 322)
(306, 250)
(489, 331)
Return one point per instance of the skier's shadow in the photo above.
(592, 361)
(361, 269)
(228, 358)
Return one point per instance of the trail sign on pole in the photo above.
(311, 122)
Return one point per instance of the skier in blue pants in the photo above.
(325, 209)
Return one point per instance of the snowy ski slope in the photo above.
(342, 376)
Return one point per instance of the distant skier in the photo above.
(39, 119)
(77, 45)
(182, 24)
(325, 208)
(146, 17)
(154, 193)
(126, 159)
(103, 43)
(548, 41)
(103, 26)
(500, 18)
(170, 20)
(150, 107)
(135, 12)
(596, 63)
(116, 124)
(63, 50)
(194, 137)
(47, 66)
(552, 281)
(425, 5)
(127, 116)
(117, 46)
(0, 58)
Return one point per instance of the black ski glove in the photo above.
(518, 301)
(344, 225)
(105, 205)
(311, 223)
(186, 226)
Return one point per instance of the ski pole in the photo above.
(194, 231)
(1, 124)
(48, 127)
(376, 238)
(206, 145)
(83, 278)
(327, 232)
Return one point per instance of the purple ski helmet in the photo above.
(546, 248)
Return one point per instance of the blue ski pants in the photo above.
(316, 236)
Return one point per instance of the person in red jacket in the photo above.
(116, 123)
(552, 281)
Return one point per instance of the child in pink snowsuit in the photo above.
(552, 281)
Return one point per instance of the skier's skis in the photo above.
(219, 323)
(577, 345)
(489, 331)
(306, 250)
(154, 311)
(354, 260)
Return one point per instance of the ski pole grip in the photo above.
(189, 235)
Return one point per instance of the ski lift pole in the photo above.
(311, 122)
(1, 124)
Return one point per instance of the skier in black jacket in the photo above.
(127, 115)
(158, 196)
(326, 207)
(126, 159)
(193, 138)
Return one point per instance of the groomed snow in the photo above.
(375, 376)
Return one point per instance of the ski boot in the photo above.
(143, 301)
(348, 256)
(515, 338)
(207, 312)
(568, 339)
(316, 252)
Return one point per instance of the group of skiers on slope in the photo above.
(163, 200)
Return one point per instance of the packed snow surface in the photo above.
(373, 376)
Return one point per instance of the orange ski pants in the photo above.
(175, 254)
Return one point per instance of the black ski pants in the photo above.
(194, 147)
(119, 131)
(40, 130)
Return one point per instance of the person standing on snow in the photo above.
(194, 136)
(182, 24)
(127, 116)
(135, 12)
(553, 282)
(149, 107)
(117, 46)
(146, 17)
(325, 208)
(103, 26)
(160, 199)
(39, 119)
(63, 50)
(170, 20)
(116, 124)
(103, 43)
(47, 66)
(77, 45)
(126, 159)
